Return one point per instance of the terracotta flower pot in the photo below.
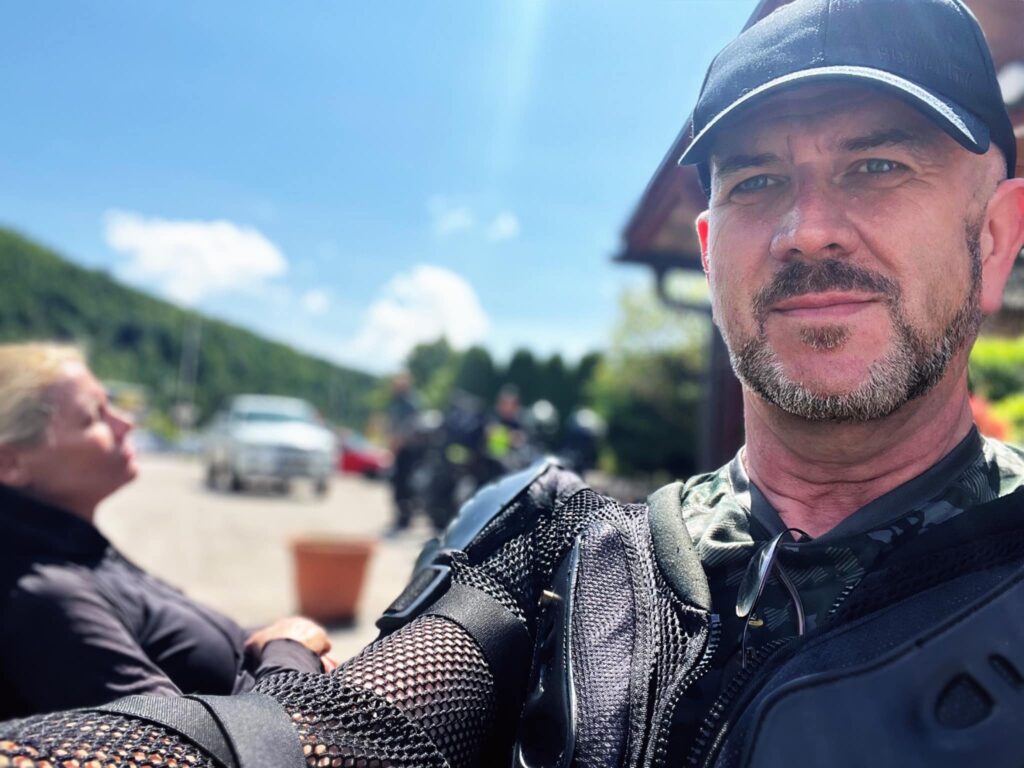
(329, 575)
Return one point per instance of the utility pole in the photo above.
(188, 373)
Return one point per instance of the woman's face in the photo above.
(85, 454)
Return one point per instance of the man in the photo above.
(505, 432)
(845, 592)
(403, 410)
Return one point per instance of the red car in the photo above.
(357, 455)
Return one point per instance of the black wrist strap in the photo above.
(248, 730)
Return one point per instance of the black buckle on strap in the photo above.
(428, 583)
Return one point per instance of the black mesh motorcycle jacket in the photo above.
(554, 627)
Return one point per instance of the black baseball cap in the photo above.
(930, 53)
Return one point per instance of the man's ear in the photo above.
(703, 227)
(1002, 238)
(12, 469)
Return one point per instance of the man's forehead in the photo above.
(847, 112)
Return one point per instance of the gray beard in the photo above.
(914, 365)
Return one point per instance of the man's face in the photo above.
(842, 248)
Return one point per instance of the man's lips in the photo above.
(831, 304)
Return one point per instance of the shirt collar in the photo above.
(894, 504)
(33, 527)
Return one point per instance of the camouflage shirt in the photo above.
(729, 520)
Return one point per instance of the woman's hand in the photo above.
(297, 628)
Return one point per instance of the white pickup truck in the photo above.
(270, 439)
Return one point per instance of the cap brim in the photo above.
(963, 126)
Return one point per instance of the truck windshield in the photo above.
(274, 416)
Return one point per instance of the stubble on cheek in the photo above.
(825, 338)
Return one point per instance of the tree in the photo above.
(476, 374)
(648, 387)
(558, 384)
(425, 360)
(523, 372)
(133, 337)
(585, 369)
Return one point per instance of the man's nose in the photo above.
(815, 225)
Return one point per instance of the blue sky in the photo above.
(353, 177)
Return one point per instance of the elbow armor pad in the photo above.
(500, 512)
(591, 612)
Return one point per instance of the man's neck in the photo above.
(816, 474)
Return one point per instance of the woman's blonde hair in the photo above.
(27, 370)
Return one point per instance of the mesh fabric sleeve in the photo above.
(422, 696)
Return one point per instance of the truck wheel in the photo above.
(220, 479)
(211, 477)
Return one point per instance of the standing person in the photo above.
(80, 624)
(849, 589)
(402, 413)
(505, 435)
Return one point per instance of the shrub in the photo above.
(997, 367)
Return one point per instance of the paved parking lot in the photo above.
(231, 551)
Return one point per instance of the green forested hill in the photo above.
(134, 337)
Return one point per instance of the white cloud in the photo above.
(448, 218)
(316, 302)
(416, 306)
(188, 260)
(504, 227)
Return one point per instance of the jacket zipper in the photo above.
(710, 734)
(841, 598)
(660, 751)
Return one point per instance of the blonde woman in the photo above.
(79, 623)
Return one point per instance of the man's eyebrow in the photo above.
(734, 163)
(888, 137)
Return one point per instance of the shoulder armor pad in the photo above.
(489, 502)
(478, 529)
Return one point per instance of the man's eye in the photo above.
(756, 183)
(878, 165)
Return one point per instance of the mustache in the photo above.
(800, 277)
